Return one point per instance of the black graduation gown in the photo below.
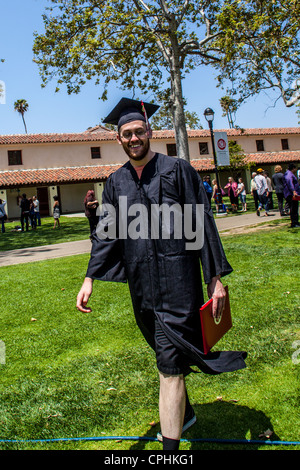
(163, 276)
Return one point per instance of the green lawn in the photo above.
(71, 229)
(67, 374)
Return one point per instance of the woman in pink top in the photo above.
(232, 187)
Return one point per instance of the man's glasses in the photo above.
(139, 133)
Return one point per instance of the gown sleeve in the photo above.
(106, 261)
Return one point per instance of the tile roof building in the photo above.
(69, 164)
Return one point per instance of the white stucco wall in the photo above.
(73, 154)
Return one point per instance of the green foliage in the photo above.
(237, 158)
(298, 112)
(131, 42)
(260, 47)
(147, 46)
(163, 120)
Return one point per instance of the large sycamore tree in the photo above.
(260, 48)
(145, 46)
(148, 47)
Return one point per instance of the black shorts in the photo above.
(169, 359)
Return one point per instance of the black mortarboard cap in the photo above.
(128, 110)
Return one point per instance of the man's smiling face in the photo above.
(134, 138)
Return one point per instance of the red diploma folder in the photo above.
(213, 331)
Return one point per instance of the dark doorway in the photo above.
(42, 195)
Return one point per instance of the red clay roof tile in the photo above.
(97, 173)
(99, 133)
(56, 175)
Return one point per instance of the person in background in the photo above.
(208, 188)
(25, 207)
(277, 179)
(32, 214)
(232, 193)
(3, 215)
(90, 205)
(262, 192)
(215, 194)
(56, 212)
(291, 192)
(254, 190)
(241, 191)
(270, 189)
(36, 204)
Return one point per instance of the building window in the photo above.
(284, 144)
(15, 157)
(95, 152)
(203, 147)
(260, 145)
(171, 150)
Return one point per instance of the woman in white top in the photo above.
(242, 194)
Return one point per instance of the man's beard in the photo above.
(137, 158)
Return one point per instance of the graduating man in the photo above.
(161, 264)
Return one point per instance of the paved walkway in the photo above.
(243, 219)
(83, 246)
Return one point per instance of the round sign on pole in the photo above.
(221, 144)
(222, 151)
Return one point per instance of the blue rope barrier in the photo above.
(142, 438)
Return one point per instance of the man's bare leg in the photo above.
(171, 405)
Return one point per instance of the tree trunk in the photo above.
(24, 123)
(181, 136)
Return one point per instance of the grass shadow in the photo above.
(71, 229)
(221, 420)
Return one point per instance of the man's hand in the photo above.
(216, 291)
(84, 295)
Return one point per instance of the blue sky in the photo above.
(59, 112)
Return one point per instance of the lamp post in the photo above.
(209, 116)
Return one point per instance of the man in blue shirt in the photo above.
(208, 188)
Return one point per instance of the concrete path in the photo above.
(59, 250)
(39, 253)
(243, 219)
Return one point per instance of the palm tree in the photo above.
(21, 106)
(229, 107)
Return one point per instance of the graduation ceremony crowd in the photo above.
(286, 186)
(262, 186)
